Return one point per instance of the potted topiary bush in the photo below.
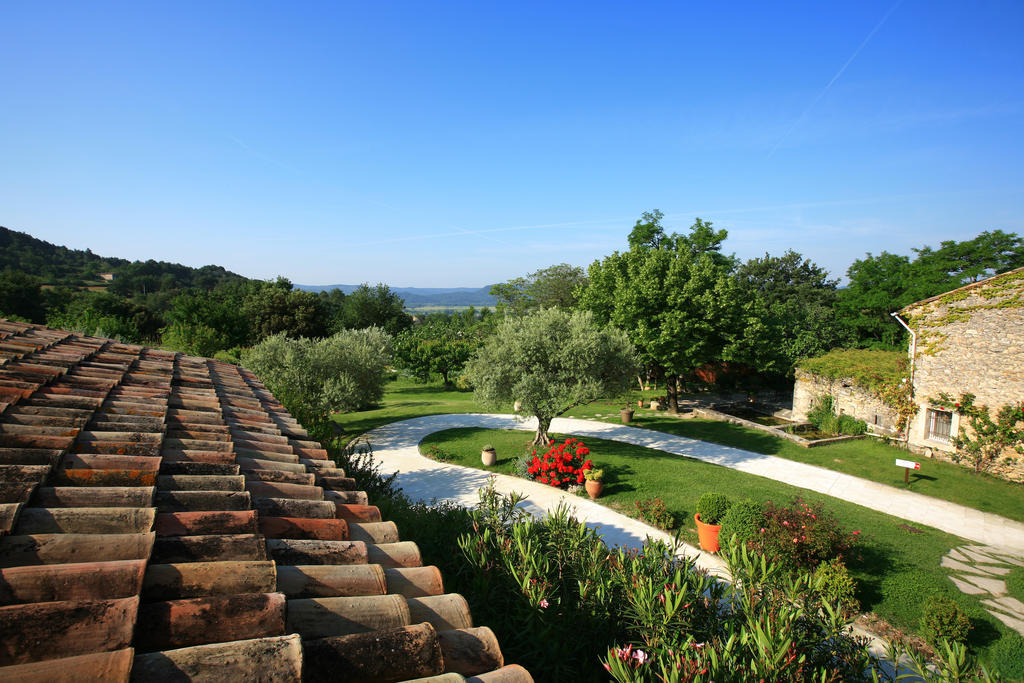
(488, 456)
(594, 483)
(711, 508)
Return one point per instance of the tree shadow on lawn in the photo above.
(724, 433)
(427, 389)
(616, 480)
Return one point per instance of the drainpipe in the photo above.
(913, 358)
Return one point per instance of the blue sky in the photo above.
(466, 143)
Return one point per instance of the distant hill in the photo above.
(57, 265)
(420, 297)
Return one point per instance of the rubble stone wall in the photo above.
(970, 340)
(849, 399)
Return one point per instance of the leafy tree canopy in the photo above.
(557, 285)
(551, 360)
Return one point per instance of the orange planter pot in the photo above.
(594, 488)
(708, 534)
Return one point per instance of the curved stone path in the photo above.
(397, 447)
(980, 570)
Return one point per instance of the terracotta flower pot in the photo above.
(488, 458)
(594, 488)
(627, 415)
(708, 534)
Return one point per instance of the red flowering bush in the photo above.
(802, 535)
(562, 465)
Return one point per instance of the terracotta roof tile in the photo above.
(162, 516)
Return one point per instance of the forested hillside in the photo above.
(198, 310)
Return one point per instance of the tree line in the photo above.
(693, 314)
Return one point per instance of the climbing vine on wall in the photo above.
(984, 440)
(959, 305)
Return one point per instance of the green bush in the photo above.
(712, 507)
(1007, 655)
(802, 535)
(439, 454)
(943, 618)
(316, 377)
(654, 512)
(852, 426)
(744, 520)
(837, 586)
(232, 355)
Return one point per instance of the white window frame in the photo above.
(929, 423)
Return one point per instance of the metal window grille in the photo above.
(940, 423)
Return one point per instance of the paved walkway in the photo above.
(980, 570)
(396, 446)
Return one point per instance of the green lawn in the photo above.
(865, 458)
(899, 563)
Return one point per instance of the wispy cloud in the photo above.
(835, 78)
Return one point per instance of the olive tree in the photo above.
(317, 377)
(551, 361)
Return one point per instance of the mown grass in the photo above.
(898, 563)
(866, 458)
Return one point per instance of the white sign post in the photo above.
(907, 465)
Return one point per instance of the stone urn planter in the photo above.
(627, 415)
(517, 406)
(488, 456)
(707, 534)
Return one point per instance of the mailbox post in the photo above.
(907, 465)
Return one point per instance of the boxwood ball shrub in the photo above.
(712, 507)
(943, 618)
(741, 524)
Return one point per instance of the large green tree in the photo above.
(557, 285)
(276, 308)
(440, 346)
(887, 282)
(375, 306)
(788, 310)
(672, 294)
(552, 360)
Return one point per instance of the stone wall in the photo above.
(849, 398)
(970, 340)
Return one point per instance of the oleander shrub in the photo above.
(944, 619)
(802, 535)
(741, 524)
(712, 507)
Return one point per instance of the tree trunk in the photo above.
(672, 390)
(542, 438)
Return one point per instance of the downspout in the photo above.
(913, 358)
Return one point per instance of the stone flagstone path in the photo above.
(978, 570)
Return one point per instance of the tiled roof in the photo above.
(163, 517)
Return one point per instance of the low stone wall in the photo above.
(849, 399)
(712, 414)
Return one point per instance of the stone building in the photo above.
(849, 397)
(969, 340)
